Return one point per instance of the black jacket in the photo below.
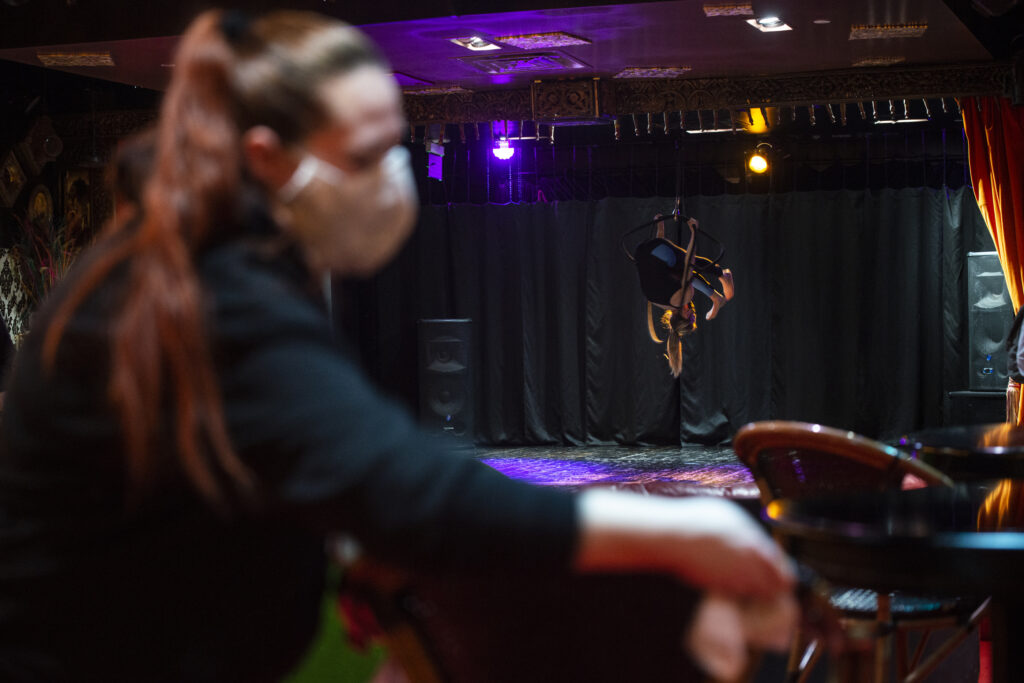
(172, 591)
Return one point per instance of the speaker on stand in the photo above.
(989, 317)
(446, 377)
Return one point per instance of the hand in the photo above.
(709, 542)
(722, 548)
(723, 630)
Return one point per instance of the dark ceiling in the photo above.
(140, 36)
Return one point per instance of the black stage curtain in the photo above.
(849, 311)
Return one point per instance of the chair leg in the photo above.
(901, 654)
(802, 658)
(854, 666)
(929, 665)
(811, 657)
(883, 639)
(796, 654)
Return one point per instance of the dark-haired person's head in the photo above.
(293, 112)
(304, 106)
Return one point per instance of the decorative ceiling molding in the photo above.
(569, 98)
(489, 105)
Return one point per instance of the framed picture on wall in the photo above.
(12, 179)
(40, 206)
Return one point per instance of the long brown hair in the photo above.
(232, 72)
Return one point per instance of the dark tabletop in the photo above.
(964, 540)
(970, 452)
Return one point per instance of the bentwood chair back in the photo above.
(799, 460)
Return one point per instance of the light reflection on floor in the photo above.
(715, 467)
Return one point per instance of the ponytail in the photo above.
(160, 360)
(233, 72)
(678, 327)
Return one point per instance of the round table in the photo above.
(973, 452)
(950, 541)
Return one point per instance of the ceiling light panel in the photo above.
(885, 31)
(652, 72)
(75, 58)
(522, 63)
(879, 61)
(535, 41)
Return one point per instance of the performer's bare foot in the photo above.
(727, 285)
(717, 301)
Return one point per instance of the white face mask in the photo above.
(351, 223)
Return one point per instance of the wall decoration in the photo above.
(77, 214)
(14, 303)
(12, 179)
(40, 206)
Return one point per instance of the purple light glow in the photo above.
(543, 471)
(503, 150)
(546, 471)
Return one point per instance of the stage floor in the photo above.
(714, 468)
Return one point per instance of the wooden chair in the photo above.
(507, 627)
(796, 460)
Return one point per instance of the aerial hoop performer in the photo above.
(669, 274)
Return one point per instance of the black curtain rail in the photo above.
(591, 171)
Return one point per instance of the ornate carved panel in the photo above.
(491, 105)
(561, 99)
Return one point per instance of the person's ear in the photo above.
(269, 161)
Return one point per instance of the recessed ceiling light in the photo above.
(75, 58)
(873, 31)
(822, 21)
(769, 24)
(475, 43)
(744, 9)
(652, 72)
(543, 40)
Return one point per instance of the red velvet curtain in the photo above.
(995, 145)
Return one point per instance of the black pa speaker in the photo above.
(989, 317)
(446, 377)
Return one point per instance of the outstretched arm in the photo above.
(710, 543)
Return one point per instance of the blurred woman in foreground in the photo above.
(181, 434)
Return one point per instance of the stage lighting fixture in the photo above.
(769, 24)
(503, 150)
(758, 161)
